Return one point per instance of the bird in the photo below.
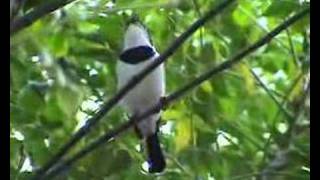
(137, 53)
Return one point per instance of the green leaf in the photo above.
(183, 134)
(35, 145)
(241, 18)
(59, 45)
(15, 148)
(30, 100)
(69, 100)
(281, 8)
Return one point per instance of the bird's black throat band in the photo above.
(137, 54)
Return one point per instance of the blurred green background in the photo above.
(62, 68)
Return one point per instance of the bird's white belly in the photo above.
(144, 95)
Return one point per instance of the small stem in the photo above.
(40, 11)
(293, 52)
(266, 89)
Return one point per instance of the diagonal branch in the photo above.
(114, 133)
(266, 89)
(274, 121)
(237, 57)
(292, 50)
(281, 160)
(265, 30)
(132, 83)
(37, 13)
(196, 6)
(290, 132)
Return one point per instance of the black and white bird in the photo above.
(138, 52)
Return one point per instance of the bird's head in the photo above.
(136, 34)
(137, 45)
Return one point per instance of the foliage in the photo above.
(63, 67)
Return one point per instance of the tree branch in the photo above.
(281, 107)
(237, 57)
(112, 134)
(196, 6)
(281, 160)
(37, 13)
(132, 83)
(254, 19)
(292, 51)
(289, 134)
(274, 121)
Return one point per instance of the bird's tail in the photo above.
(156, 159)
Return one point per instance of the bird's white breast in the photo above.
(144, 95)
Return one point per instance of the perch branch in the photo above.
(40, 11)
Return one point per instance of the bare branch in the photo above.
(281, 159)
(266, 89)
(37, 13)
(274, 121)
(132, 83)
(197, 8)
(112, 134)
(292, 51)
(237, 57)
(290, 132)
(264, 29)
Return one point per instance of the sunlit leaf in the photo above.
(183, 134)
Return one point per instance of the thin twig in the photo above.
(281, 160)
(112, 134)
(301, 103)
(237, 57)
(266, 89)
(274, 121)
(196, 5)
(40, 11)
(254, 19)
(288, 94)
(292, 51)
(131, 84)
(179, 165)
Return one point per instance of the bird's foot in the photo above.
(163, 102)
